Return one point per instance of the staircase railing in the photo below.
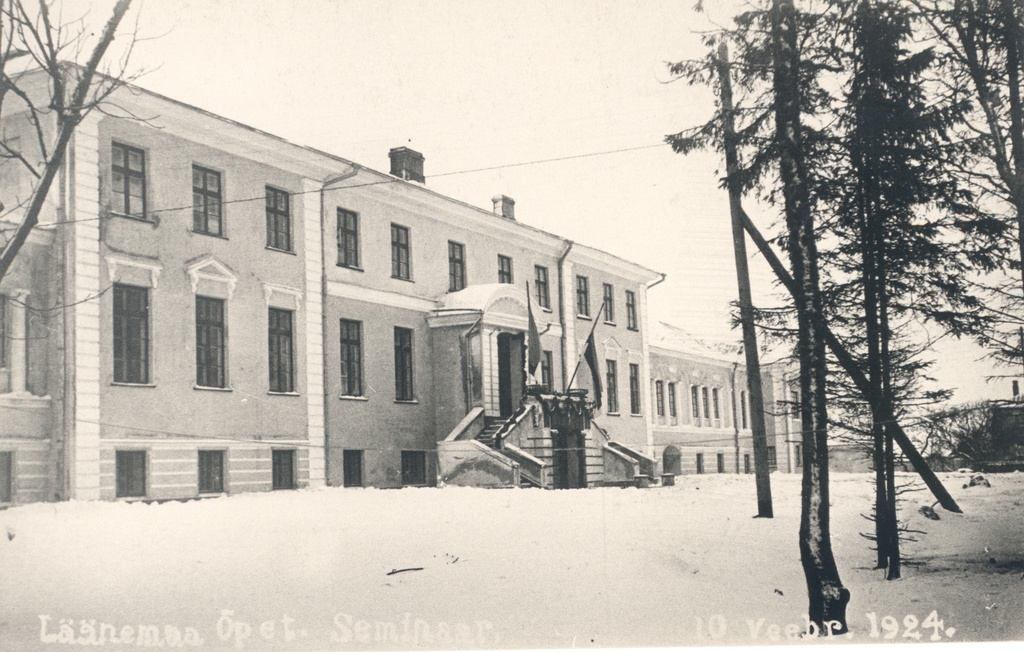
(532, 469)
(510, 423)
(601, 430)
(648, 465)
(471, 425)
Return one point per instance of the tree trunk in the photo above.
(827, 597)
(881, 511)
(893, 547)
(892, 525)
(1012, 42)
(871, 289)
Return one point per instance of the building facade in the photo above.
(701, 416)
(208, 309)
(425, 319)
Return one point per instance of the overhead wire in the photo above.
(298, 193)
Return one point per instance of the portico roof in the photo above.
(498, 305)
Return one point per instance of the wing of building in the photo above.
(207, 309)
(701, 412)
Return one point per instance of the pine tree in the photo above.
(980, 46)
(898, 253)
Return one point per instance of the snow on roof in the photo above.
(674, 338)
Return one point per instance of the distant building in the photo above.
(702, 408)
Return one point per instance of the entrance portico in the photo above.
(486, 325)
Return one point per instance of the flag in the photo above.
(590, 355)
(533, 350)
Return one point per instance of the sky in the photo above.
(488, 84)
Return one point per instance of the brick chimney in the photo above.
(504, 207)
(406, 164)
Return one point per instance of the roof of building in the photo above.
(673, 338)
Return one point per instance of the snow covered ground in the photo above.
(673, 566)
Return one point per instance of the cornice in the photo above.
(382, 297)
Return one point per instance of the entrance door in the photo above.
(569, 459)
(505, 407)
(511, 378)
(672, 461)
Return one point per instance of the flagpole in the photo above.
(531, 372)
(579, 359)
(526, 357)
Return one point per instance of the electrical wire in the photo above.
(261, 198)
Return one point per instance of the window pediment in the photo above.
(133, 271)
(282, 296)
(210, 277)
(612, 344)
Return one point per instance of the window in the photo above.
(582, 296)
(130, 468)
(6, 476)
(282, 354)
(672, 400)
(743, 409)
(794, 404)
(631, 311)
(659, 397)
(634, 388)
(541, 286)
(351, 358)
(414, 468)
(400, 252)
(545, 371)
(352, 467)
(695, 403)
(279, 221)
(403, 364)
(798, 455)
(456, 266)
(210, 343)
(206, 201)
(700, 462)
(283, 463)
(131, 334)
(746, 462)
(721, 462)
(609, 303)
(772, 461)
(348, 238)
(715, 405)
(128, 180)
(504, 269)
(211, 472)
(612, 381)
(706, 402)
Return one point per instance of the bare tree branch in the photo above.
(70, 111)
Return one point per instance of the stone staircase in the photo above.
(491, 427)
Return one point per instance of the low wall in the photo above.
(619, 469)
(468, 463)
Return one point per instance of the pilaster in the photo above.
(85, 216)
(311, 218)
(568, 308)
(645, 367)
